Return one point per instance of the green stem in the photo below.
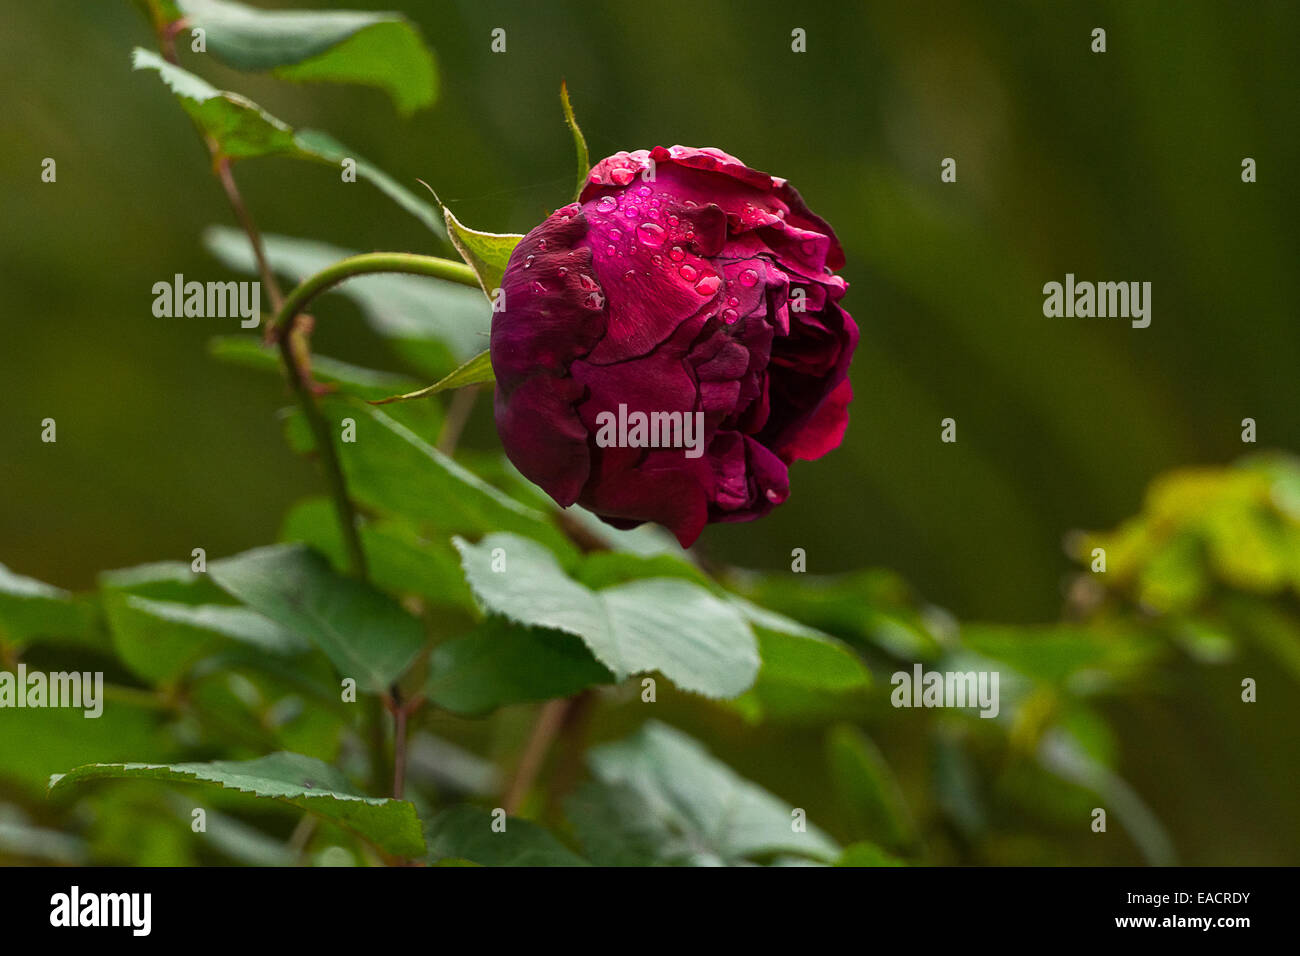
(282, 330)
(367, 263)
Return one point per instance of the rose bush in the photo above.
(681, 281)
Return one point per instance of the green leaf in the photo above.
(364, 632)
(579, 141)
(602, 569)
(382, 50)
(871, 607)
(290, 778)
(163, 581)
(240, 127)
(485, 252)
(251, 352)
(392, 470)
(400, 559)
(698, 641)
(1055, 653)
(33, 609)
(400, 307)
(717, 815)
(869, 795)
(1060, 753)
(243, 130)
(161, 640)
(501, 664)
(477, 371)
(54, 738)
(806, 675)
(616, 827)
(465, 833)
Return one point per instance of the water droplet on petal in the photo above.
(628, 275)
(528, 263)
(610, 250)
(541, 244)
(688, 273)
(622, 176)
(656, 259)
(733, 301)
(643, 190)
(607, 204)
(562, 272)
(672, 220)
(615, 234)
(588, 283)
(708, 285)
(730, 315)
(676, 254)
(538, 287)
(748, 277)
(650, 234)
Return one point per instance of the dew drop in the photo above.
(622, 175)
(672, 220)
(538, 287)
(733, 301)
(562, 272)
(528, 263)
(541, 245)
(676, 254)
(650, 234)
(615, 234)
(688, 273)
(748, 277)
(644, 191)
(730, 315)
(628, 275)
(708, 285)
(610, 250)
(588, 283)
(607, 204)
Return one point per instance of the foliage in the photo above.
(278, 691)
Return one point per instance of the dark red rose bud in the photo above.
(682, 282)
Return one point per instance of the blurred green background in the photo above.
(1121, 166)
